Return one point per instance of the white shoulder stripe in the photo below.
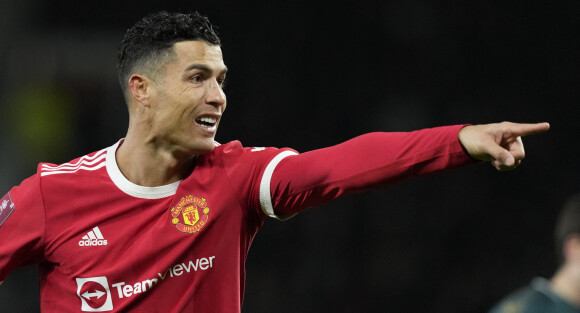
(70, 171)
(86, 159)
(88, 163)
(265, 195)
(76, 166)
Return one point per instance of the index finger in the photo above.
(526, 129)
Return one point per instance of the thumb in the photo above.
(500, 157)
(506, 159)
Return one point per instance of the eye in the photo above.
(196, 79)
(221, 81)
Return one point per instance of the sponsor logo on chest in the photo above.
(97, 295)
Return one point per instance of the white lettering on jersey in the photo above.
(126, 290)
(255, 149)
(93, 238)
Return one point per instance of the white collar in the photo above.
(130, 188)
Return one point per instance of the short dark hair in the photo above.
(148, 44)
(568, 222)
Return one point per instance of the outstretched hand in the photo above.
(500, 143)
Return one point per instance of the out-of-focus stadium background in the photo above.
(308, 74)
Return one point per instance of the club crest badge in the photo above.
(190, 214)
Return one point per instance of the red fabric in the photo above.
(102, 248)
(366, 162)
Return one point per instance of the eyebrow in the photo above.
(204, 68)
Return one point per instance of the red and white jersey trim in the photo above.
(265, 195)
(133, 189)
(87, 163)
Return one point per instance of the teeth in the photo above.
(209, 120)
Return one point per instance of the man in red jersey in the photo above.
(162, 220)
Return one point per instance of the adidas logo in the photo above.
(93, 238)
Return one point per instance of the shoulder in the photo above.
(47, 172)
(523, 300)
(534, 298)
(234, 151)
(82, 165)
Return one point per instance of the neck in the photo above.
(566, 283)
(150, 165)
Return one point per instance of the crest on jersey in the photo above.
(190, 214)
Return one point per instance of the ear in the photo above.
(140, 87)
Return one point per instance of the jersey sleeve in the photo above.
(22, 221)
(365, 162)
(249, 171)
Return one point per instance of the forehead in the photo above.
(198, 52)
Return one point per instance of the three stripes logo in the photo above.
(87, 163)
(93, 238)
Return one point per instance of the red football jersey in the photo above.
(105, 244)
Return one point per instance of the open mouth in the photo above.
(206, 121)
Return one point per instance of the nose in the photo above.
(216, 95)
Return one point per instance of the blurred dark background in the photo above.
(308, 74)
